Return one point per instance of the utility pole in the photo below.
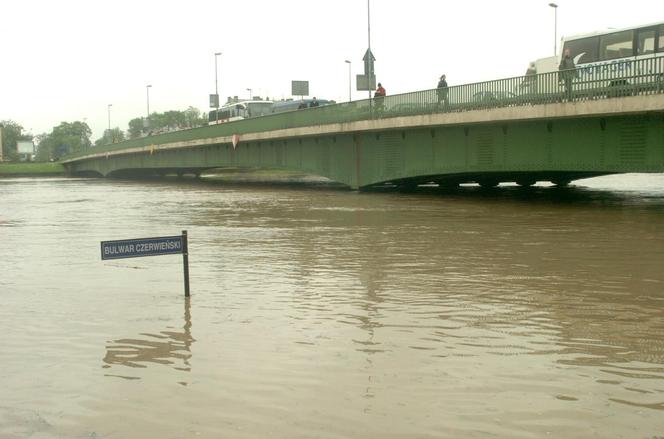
(555, 28)
(369, 39)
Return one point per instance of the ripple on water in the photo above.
(332, 314)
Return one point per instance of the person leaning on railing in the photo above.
(567, 73)
(379, 97)
(443, 92)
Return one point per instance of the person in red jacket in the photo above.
(379, 97)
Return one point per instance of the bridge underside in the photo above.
(559, 151)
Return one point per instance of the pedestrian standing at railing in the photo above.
(567, 72)
(442, 92)
(379, 97)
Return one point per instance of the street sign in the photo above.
(214, 101)
(300, 88)
(369, 59)
(162, 245)
(364, 82)
(136, 248)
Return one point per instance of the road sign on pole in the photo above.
(136, 248)
(214, 101)
(365, 82)
(369, 59)
(300, 88)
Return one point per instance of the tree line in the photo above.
(72, 137)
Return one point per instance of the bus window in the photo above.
(661, 39)
(585, 47)
(618, 45)
(260, 108)
(645, 41)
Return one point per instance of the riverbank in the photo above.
(31, 169)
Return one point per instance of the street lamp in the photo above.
(250, 94)
(109, 117)
(370, 73)
(555, 27)
(349, 81)
(147, 89)
(216, 80)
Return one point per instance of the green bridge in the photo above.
(523, 129)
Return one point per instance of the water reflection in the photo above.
(169, 348)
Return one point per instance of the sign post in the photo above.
(185, 262)
(136, 248)
(368, 80)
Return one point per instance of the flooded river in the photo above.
(319, 313)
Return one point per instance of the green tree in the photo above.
(166, 121)
(66, 138)
(193, 117)
(11, 132)
(114, 135)
(45, 147)
(135, 128)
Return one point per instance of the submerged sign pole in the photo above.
(185, 262)
(136, 248)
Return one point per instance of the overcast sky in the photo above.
(67, 60)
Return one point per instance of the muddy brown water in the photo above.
(320, 313)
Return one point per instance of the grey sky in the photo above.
(67, 60)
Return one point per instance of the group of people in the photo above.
(443, 93)
(567, 70)
(312, 104)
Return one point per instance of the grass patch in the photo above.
(31, 169)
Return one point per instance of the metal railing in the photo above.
(624, 78)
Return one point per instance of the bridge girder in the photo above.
(558, 150)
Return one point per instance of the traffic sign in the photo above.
(135, 248)
(365, 82)
(162, 245)
(369, 59)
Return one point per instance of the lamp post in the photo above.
(216, 77)
(147, 89)
(555, 27)
(109, 117)
(349, 80)
(369, 41)
(250, 93)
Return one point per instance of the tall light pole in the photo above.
(349, 81)
(147, 89)
(369, 40)
(109, 117)
(250, 93)
(216, 77)
(555, 27)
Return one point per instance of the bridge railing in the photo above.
(623, 78)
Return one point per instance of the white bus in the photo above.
(237, 110)
(611, 51)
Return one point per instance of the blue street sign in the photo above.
(135, 248)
